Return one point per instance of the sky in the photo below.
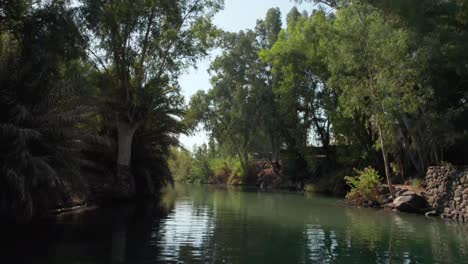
(237, 15)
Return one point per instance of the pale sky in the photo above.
(237, 15)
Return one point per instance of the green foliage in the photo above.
(310, 188)
(180, 163)
(240, 95)
(363, 186)
(304, 101)
(417, 183)
(227, 170)
(86, 83)
(205, 167)
(201, 170)
(367, 77)
(41, 119)
(71, 73)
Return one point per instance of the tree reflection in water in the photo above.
(204, 224)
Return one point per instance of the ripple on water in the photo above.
(186, 228)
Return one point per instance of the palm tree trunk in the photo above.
(125, 183)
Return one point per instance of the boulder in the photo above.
(410, 203)
(383, 189)
(373, 204)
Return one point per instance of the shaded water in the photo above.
(205, 224)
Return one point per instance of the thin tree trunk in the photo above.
(274, 155)
(387, 167)
(382, 142)
(422, 163)
(406, 148)
(125, 183)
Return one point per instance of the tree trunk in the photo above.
(274, 153)
(422, 163)
(387, 167)
(406, 146)
(246, 163)
(125, 183)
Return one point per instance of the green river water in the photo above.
(207, 224)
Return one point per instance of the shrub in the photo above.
(227, 170)
(180, 164)
(363, 186)
(310, 188)
(417, 183)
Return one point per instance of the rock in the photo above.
(431, 213)
(408, 193)
(465, 191)
(388, 200)
(410, 203)
(374, 204)
(401, 192)
(383, 189)
(441, 188)
(431, 200)
(458, 192)
(463, 205)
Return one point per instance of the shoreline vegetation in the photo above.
(340, 99)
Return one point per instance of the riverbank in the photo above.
(444, 194)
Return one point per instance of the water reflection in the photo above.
(187, 229)
(204, 224)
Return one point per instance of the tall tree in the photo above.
(140, 47)
(376, 68)
(39, 111)
(298, 60)
(267, 31)
(229, 109)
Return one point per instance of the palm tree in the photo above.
(39, 137)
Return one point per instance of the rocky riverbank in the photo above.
(445, 194)
(447, 191)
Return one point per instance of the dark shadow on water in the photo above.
(106, 235)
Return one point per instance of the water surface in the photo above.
(207, 224)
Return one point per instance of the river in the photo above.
(208, 224)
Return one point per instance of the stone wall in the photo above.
(447, 191)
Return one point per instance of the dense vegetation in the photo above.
(90, 106)
(352, 84)
(89, 99)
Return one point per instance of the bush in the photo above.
(363, 186)
(417, 183)
(310, 188)
(204, 167)
(226, 170)
(180, 164)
